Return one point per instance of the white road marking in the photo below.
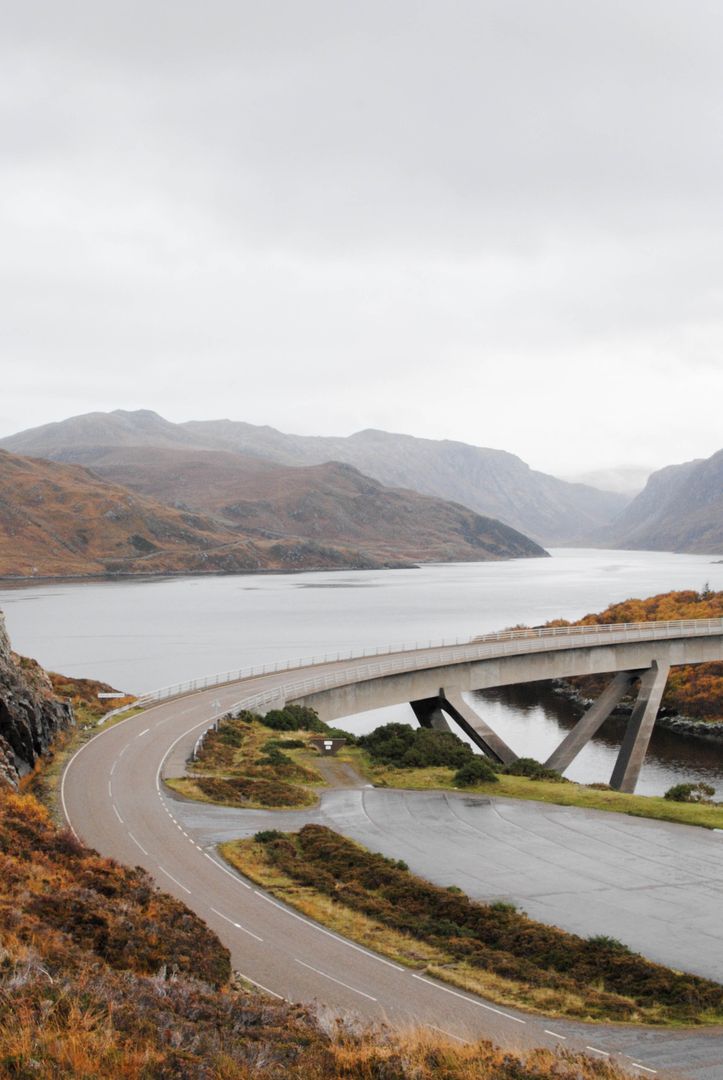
(163, 869)
(110, 790)
(449, 1034)
(260, 986)
(123, 751)
(137, 842)
(595, 1050)
(337, 981)
(328, 933)
(234, 876)
(479, 1004)
(142, 733)
(237, 925)
(645, 1068)
(555, 1034)
(118, 815)
(112, 768)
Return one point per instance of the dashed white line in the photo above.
(237, 925)
(645, 1068)
(594, 1050)
(328, 933)
(479, 1004)
(449, 1034)
(142, 733)
(112, 768)
(137, 842)
(181, 886)
(555, 1034)
(118, 815)
(110, 790)
(338, 982)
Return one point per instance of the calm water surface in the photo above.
(144, 634)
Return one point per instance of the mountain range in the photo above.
(60, 519)
(493, 483)
(680, 509)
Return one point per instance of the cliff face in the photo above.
(30, 714)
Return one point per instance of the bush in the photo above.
(690, 793)
(476, 771)
(527, 766)
(415, 748)
(267, 836)
(293, 718)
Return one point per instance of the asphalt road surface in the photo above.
(115, 800)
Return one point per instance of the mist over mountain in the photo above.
(680, 509)
(493, 483)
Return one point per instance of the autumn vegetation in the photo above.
(694, 690)
(102, 975)
(488, 947)
(244, 764)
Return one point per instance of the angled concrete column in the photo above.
(473, 725)
(640, 728)
(593, 719)
(428, 712)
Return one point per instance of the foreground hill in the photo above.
(680, 509)
(58, 519)
(493, 483)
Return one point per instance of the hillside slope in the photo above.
(491, 482)
(329, 504)
(680, 509)
(61, 520)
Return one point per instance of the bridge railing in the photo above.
(505, 643)
(402, 657)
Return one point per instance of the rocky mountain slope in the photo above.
(680, 509)
(493, 483)
(30, 713)
(60, 520)
(330, 504)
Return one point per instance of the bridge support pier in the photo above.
(428, 712)
(640, 727)
(593, 719)
(431, 713)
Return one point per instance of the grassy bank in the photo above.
(492, 950)
(709, 816)
(248, 763)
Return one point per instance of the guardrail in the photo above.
(405, 657)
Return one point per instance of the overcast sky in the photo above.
(500, 222)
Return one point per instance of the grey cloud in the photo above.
(351, 201)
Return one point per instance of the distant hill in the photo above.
(680, 509)
(58, 519)
(493, 483)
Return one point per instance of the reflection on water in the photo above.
(533, 719)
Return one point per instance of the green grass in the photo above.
(708, 816)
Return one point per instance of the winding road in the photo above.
(114, 799)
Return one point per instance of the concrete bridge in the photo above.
(432, 680)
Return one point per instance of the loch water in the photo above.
(139, 634)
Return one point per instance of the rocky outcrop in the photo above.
(30, 714)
